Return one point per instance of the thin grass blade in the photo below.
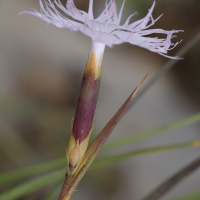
(146, 134)
(193, 196)
(11, 176)
(45, 180)
(100, 162)
(173, 181)
(33, 185)
(44, 167)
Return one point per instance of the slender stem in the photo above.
(65, 186)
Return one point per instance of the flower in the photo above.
(106, 28)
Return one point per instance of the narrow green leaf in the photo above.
(33, 185)
(44, 180)
(169, 184)
(166, 68)
(44, 167)
(143, 135)
(193, 196)
(54, 192)
(99, 162)
(10, 176)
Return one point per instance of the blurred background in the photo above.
(41, 70)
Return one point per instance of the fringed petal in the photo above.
(106, 28)
(120, 13)
(90, 11)
(158, 45)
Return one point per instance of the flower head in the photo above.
(106, 28)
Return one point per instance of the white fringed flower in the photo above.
(106, 28)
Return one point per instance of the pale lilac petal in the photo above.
(115, 17)
(157, 45)
(106, 28)
(128, 19)
(72, 11)
(147, 18)
(90, 11)
(104, 16)
(120, 12)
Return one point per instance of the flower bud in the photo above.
(75, 150)
(75, 155)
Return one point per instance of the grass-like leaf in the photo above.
(45, 180)
(44, 167)
(113, 159)
(33, 185)
(173, 181)
(193, 196)
(143, 135)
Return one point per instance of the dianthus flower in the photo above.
(106, 29)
